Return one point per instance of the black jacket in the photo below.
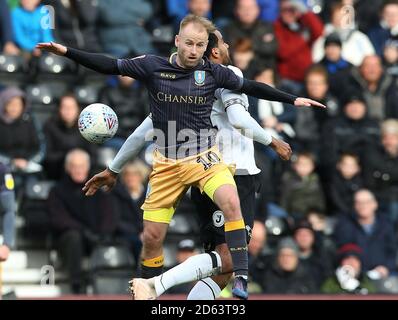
(277, 281)
(129, 211)
(381, 173)
(342, 191)
(346, 135)
(76, 26)
(130, 104)
(59, 141)
(69, 208)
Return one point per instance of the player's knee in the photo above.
(231, 206)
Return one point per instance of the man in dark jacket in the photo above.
(79, 222)
(379, 89)
(247, 24)
(351, 132)
(372, 232)
(381, 169)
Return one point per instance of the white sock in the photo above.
(194, 268)
(205, 289)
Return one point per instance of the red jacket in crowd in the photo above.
(294, 47)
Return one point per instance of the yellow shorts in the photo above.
(170, 179)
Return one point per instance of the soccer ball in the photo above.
(98, 123)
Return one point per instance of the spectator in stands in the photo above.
(7, 212)
(129, 100)
(390, 58)
(201, 8)
(62, 135)
(122, 27)
(296, 30)
(350, 132)
(301, 188)
(247, 25)
(275, 117)
(243, 54)
(79, 222)
(309, 122)
(367, 13)
(387, 29)
(381, 169)
(370, 230)
(178, 9)
(378, 88)
(31, 24)
(333, 59)
(312, 254)
(22, 145)
(345, 182)
(130, 195)
(7, 45)
(349, 276)
(355, 44)
(286, 274)
(76, 24)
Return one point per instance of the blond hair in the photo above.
(204, 22)
(389, 126)
(136, 166)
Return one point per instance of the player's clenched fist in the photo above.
(281, 148)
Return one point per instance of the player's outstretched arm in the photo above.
(266, 92)
(241, 119)
(94, 61)
(129, 150)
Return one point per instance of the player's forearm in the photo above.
(266, 92)
(94, 61)
(132, 146)
(242, 120)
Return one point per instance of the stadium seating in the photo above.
(110, 269)
(13, 71)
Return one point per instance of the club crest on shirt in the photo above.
(200, 77)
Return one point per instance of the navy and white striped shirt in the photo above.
(181, 100)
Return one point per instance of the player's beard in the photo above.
(188, 63)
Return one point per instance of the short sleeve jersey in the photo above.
(180, 99)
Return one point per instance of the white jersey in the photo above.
(235, 148)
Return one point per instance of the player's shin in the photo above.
(235, 236)
(194, 268)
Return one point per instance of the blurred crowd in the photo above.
(335, 204)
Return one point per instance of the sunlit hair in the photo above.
(389, 126)
(204, 22)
